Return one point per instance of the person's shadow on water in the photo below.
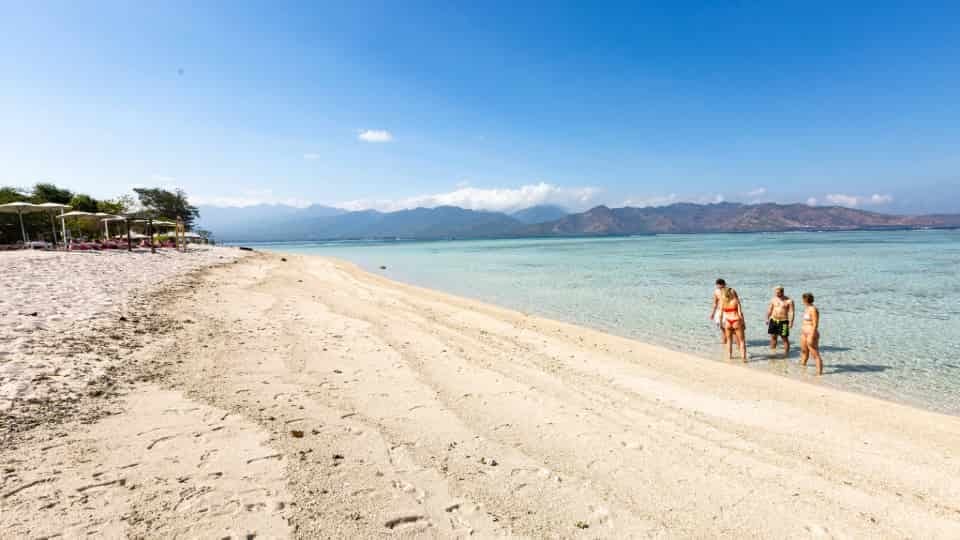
(829, 369)
(794, 346)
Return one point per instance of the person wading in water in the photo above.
(780, 315)
(715, 313)
(734, 323)
(810, 333)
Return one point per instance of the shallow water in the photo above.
(889, 301)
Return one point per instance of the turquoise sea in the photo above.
(890, 301)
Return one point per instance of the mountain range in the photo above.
(285, 223)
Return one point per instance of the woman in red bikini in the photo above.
(733, 322)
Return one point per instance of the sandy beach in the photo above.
(269, 398)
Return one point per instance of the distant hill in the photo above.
(729, 217)
(249, 222)
(284, 223)
(439, 222)
(540, 214)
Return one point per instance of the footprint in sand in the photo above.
(405, 521)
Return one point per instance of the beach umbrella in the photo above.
(52, 207)
(104, 217)
(21, 208)
(127, 220)
(73, 214)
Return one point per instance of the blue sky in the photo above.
(487, 104)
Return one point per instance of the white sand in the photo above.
(50, 299)
(392, 411)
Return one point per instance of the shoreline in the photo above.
(811, 381)
(309, 398)
(753, 364)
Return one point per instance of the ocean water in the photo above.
(889, 301)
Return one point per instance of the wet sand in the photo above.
(308, 398)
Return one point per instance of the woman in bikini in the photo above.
(810, 336)
(733, 322)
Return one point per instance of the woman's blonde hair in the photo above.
(729, 293)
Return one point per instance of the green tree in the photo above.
(11, 194)
(120, 205)
(84, 203)
(44, 192)
(9, 226)
(160, 203)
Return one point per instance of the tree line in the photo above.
(155, 203)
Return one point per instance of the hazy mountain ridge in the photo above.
(729, 217)
(329, 223)
(251, 222)
(541, 213)
(266, 223)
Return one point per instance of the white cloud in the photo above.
(375, 135)
(673, 198)
(812, 201)
(843, 200)
(248, 197)
(756, 192)
(496, 199)
(853, 201)
(652, 201)
(310, 156)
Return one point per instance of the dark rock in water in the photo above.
(383, 267)
(123, 319)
